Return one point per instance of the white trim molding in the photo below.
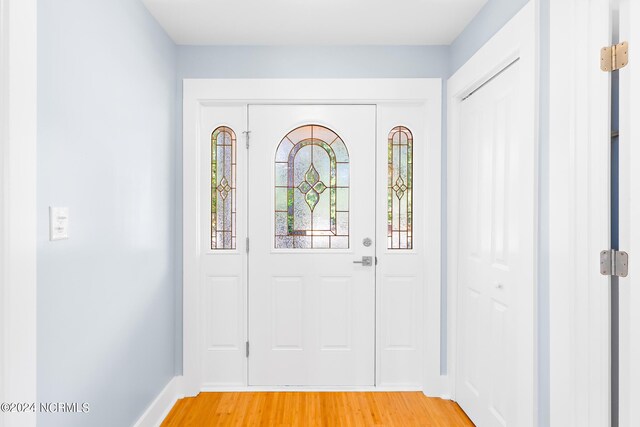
(516, 41)
(199, 93)
(579, 218)
(162, 404)
(18, 108)
(629, 211)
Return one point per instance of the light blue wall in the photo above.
(298, 62)
(312, 62)
(106, 124)
(486, 23)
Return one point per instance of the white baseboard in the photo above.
(162, 404)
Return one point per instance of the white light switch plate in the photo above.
(58, 223)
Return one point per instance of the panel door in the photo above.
(311, 206)
(492, 236)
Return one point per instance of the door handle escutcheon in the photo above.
(367, 261)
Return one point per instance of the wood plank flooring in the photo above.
(316, 409)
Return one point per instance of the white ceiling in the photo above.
(313, 22)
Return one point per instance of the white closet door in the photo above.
(495, 241)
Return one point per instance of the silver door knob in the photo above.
(367, 261)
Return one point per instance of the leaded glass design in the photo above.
(223, 188)
(312, 190)
(400, 189)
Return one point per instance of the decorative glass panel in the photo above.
(312, 190)
(223, 188)
(400, 189)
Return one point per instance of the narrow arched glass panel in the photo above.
(312, 190)
(400, 189)
(223, 188)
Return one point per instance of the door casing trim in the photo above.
(18, 129)
(198, 93)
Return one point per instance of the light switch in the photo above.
(58, 223)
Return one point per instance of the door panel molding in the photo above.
(516, 41)
(202, 93)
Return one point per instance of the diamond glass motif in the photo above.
(312, 187)
(399, 187)
(224, 188)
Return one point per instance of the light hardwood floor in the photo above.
(316, 409)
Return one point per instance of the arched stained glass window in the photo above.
(400, 189)
(312, 190)
(223, 188)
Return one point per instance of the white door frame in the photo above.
(199, 93)
(517, 39)
(629, 350)
(579, 218)
(18, 105)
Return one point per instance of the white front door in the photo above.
(494, 240)
(311, 210)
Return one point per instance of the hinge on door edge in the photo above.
(247, 349)
(614, 57)
(246, 136)
(247, 245)
(614, 263)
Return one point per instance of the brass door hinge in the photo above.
(614, 57)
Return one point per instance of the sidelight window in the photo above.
(223, 188)
(400, 189)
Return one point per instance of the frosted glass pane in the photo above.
(343, 223)
(281, 199)
(343, 175)
(324, 134)
(342, 199)
(339, 243)
(342, 155)
(321, 213)
(281, 174)
(282, 154)
(301, 213)
(321, 242)
(302, 242)
(281, 223)
(301, 165)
